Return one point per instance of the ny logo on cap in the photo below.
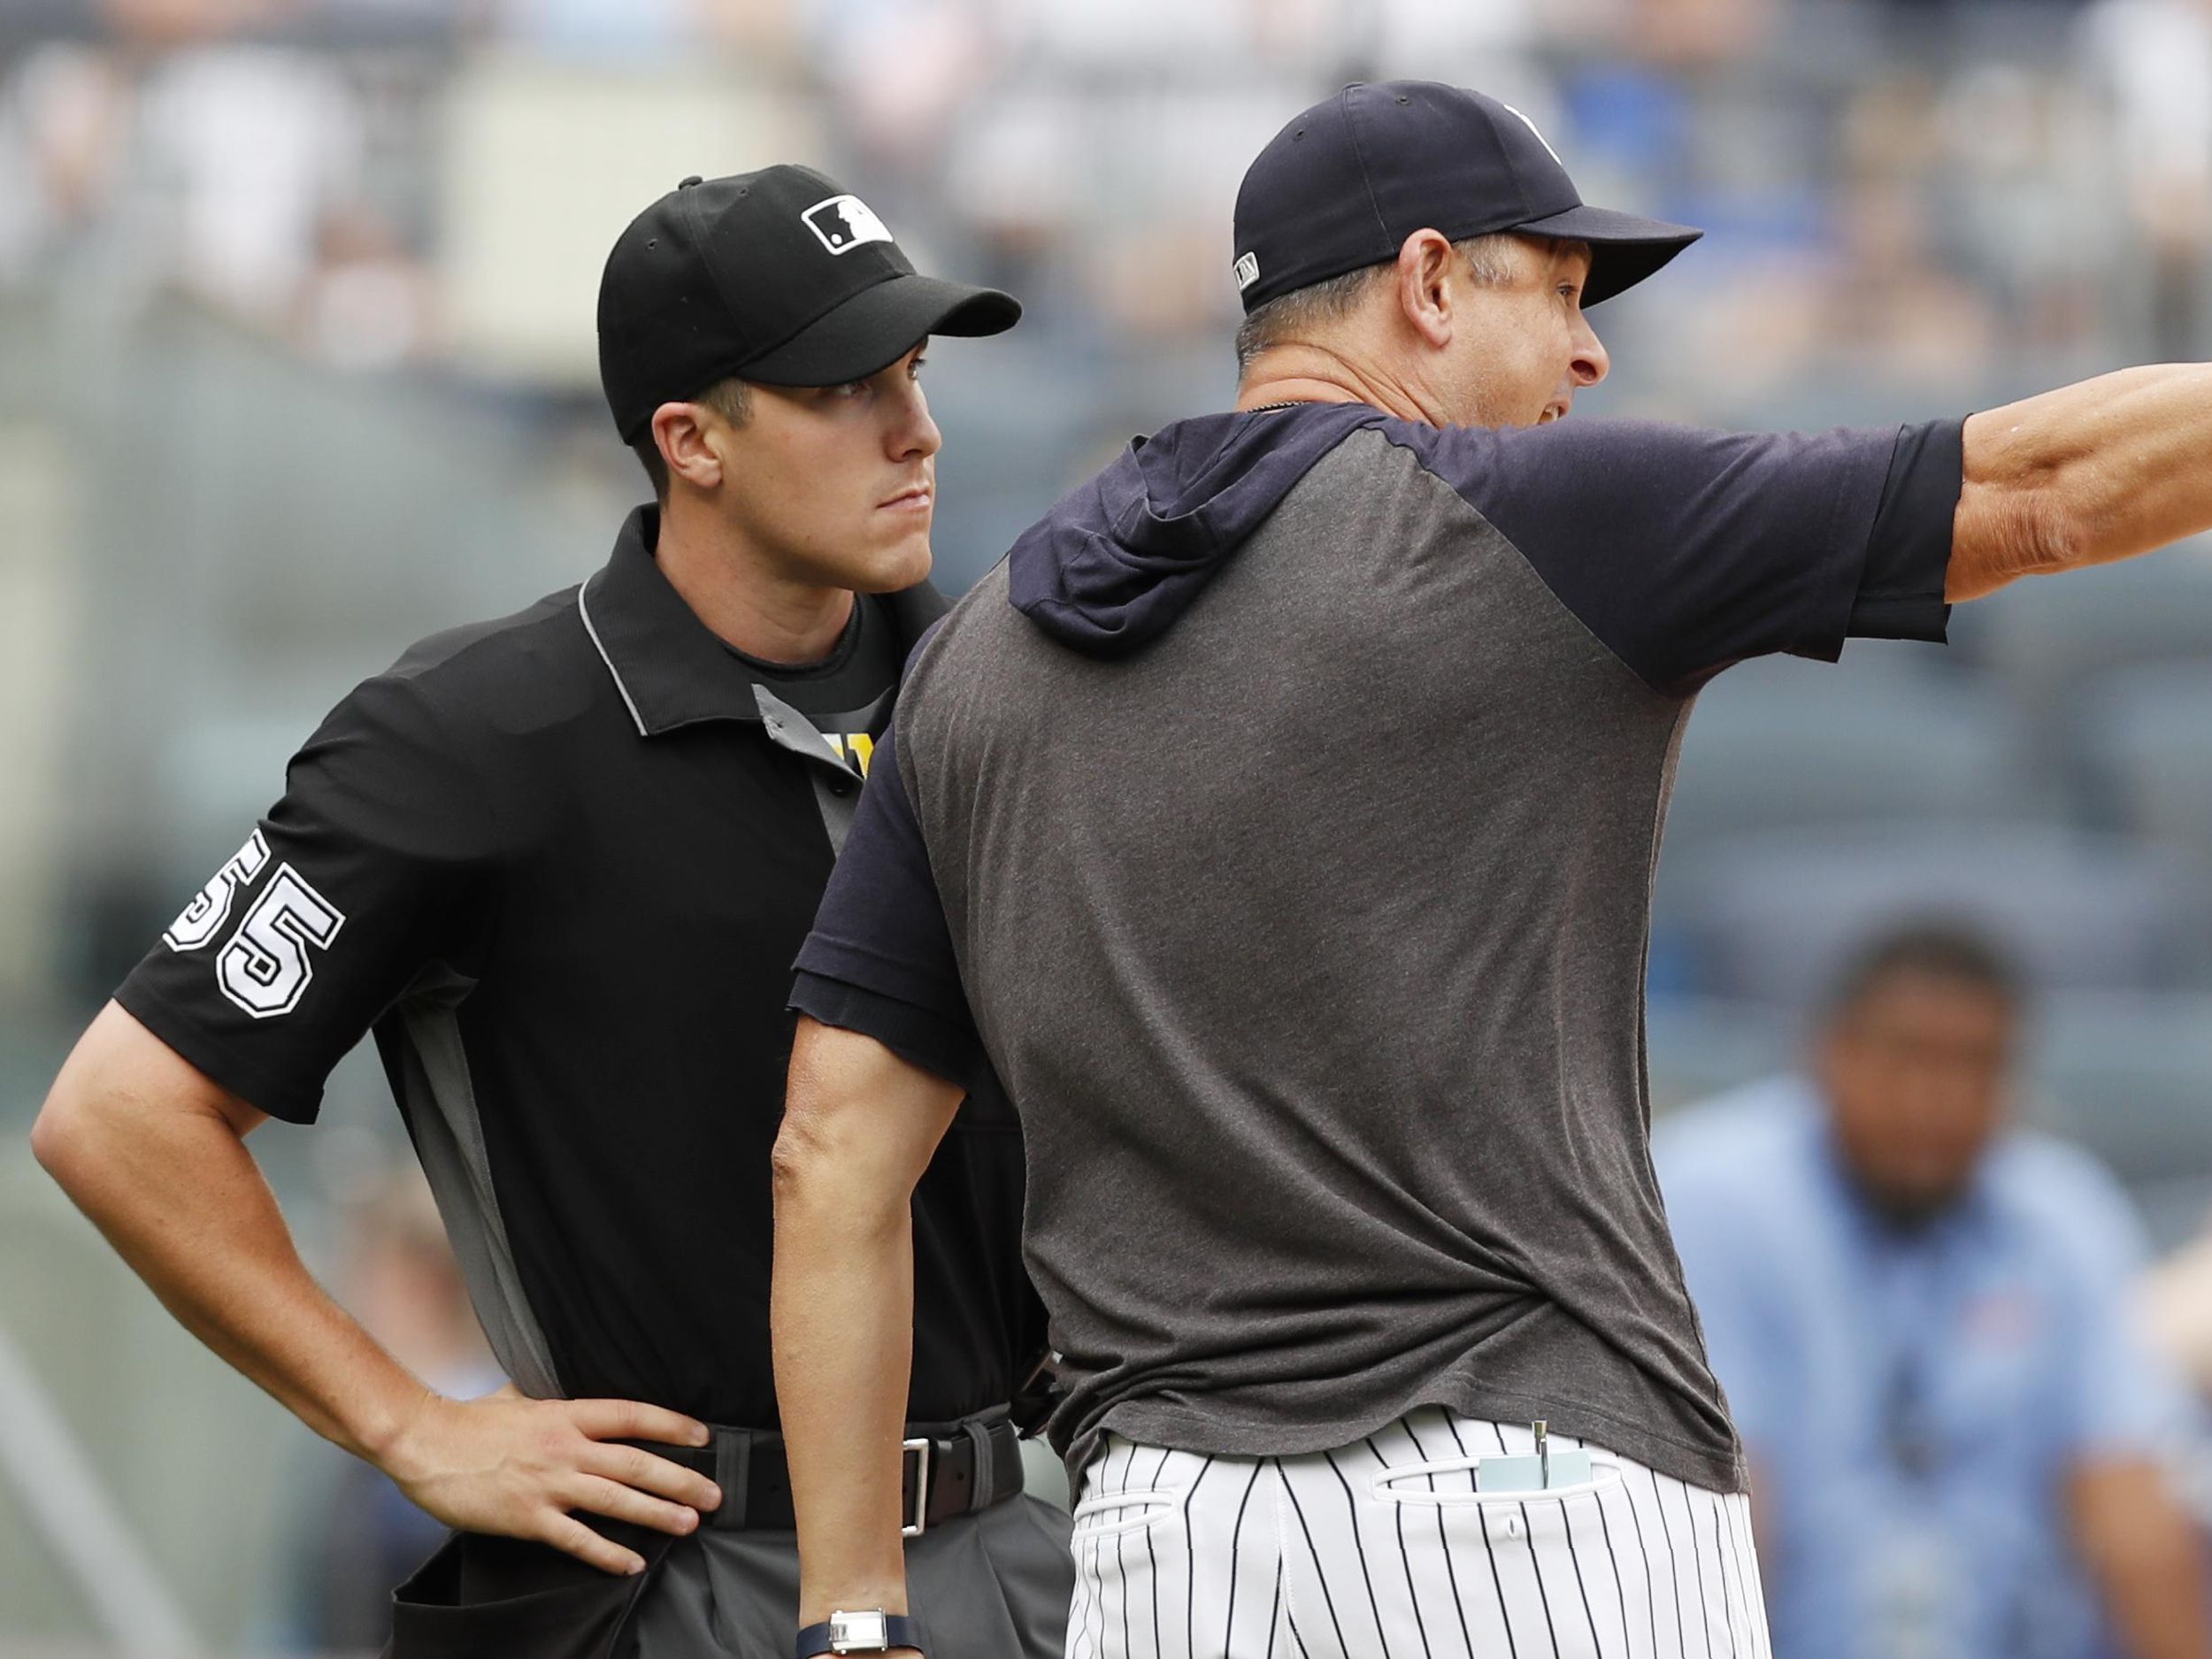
(844, 222)
(1533, 128)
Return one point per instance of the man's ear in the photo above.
(682, 433)
(1425, 286)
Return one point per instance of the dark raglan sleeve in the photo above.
(879, 960)
(363, 874)
(1684, 549)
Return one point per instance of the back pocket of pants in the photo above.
(1446, 1484)
(1118, 1514)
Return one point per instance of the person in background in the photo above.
(1920, 1314)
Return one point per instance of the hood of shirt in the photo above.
(1120, 558)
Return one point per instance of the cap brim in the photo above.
(1624, 248)
(879, 326)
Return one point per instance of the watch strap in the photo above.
(898, 1631)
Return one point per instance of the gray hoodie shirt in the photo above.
(1278, 824)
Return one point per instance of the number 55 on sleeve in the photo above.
(361, 877)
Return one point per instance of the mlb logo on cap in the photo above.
(845, 222)
(726, 277)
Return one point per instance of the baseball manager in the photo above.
(1278, 822)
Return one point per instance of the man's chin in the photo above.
(1909, 1209)
(899, 566)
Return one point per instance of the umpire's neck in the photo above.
(749, 601)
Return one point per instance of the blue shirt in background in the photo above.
(1912, 1401)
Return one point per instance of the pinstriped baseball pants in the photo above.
(1384, 1548)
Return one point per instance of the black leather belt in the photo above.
(946, 1470)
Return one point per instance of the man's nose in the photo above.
(1591, 361)
(915, 435)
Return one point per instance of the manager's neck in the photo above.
(1300, 372)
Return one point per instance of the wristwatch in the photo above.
(870, 1630)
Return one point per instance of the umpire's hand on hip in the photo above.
(510, 1464)
(154, 1151)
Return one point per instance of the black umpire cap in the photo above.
(1346, 183)
(782, 276)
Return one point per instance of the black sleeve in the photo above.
(948, 1048)
(1908, 556)
(879, 960)
(1685, 550)
(365, 870)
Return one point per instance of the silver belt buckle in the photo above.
(918, 1517)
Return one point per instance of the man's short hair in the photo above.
(732, 399)
(1296, 316)
(1938, 948)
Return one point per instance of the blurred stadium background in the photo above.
(297, 365)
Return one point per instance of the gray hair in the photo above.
(1296, 316)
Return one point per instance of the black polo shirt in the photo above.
(560, 863)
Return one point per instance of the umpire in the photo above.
(560, 863)
(1278, 822)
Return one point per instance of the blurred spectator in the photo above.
(64, 121)
(632, 29)
(1919, 1315)
(2155, 59)
(1687, 35)
(247, 147)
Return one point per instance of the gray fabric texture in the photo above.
(787, 728)
(1309, 941)
(430, 1069)
(994, 1585)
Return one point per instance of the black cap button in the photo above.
(685, 184)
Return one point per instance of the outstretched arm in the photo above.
(154, 1152)
(860, 1127)
(2089, 474)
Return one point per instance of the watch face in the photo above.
(859, 1633)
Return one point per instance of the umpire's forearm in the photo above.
(843, 1320)
(2088, 475)
(151, 1152)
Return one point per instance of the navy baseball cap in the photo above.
(1347, 182)
(781, 276)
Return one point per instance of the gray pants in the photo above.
(994, 1585)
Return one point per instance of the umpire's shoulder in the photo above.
(511, 675)
(447, 712)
